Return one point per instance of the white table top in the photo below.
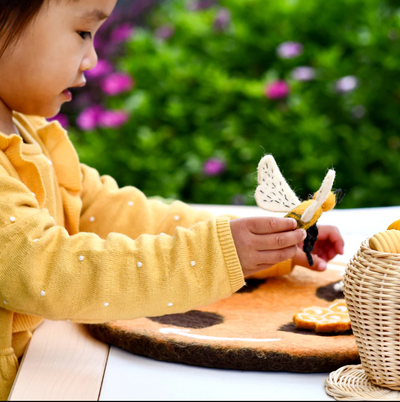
(131, 377)
(137, 378)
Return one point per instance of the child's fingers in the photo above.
(279, 240)
(339, 247)
(266, 225)
(337, 242)
(332, 254)
(331, 249)
(272, 257)
(318, 263)
(331, 233)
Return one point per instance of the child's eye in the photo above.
(84, 34)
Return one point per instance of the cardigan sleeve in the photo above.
(44, 271)
(106, 208)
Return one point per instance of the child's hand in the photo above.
(262, 242)
(329, 243)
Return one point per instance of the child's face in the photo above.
(51, 56)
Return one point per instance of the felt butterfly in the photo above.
(274, 194)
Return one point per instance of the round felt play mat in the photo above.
(251, 330)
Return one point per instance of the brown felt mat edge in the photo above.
(218, 357)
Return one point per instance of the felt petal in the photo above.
(273, 193)
(321, 196)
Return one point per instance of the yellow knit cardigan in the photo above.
(76, 247)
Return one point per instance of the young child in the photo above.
(74, 246)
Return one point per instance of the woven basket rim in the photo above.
(350, 383)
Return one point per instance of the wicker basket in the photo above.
(371, 287)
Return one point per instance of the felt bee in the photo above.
(274, 194)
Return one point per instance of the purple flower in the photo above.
(277, 90)
(113, 118)
(122, 33)
(62, 119)
(346, 84)
(164, 32)
(103, 67)
(200, 4)
(89, 118)
(117, 83)
(213, 166)
(303, 73)
(222, 19)
(288, 50)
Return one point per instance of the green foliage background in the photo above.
(200, 94)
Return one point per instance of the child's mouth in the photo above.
(67, 94)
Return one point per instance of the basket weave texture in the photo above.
(350, 383)
(371, 287)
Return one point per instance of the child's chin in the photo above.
(48, 114)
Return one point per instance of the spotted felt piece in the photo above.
(251, 330)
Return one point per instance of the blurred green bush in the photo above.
(200, 118)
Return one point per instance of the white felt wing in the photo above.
(321, 196)
(273, 193)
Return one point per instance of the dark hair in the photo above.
(15, 16)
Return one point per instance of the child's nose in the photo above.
(90, 60)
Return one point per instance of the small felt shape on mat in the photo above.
(386, 242)
(334, 318)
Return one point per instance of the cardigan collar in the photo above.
(54, 143)
(27, 170)
(63, 155)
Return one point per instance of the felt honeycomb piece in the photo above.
(334, 318)
(386, 242)
(251, 330)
